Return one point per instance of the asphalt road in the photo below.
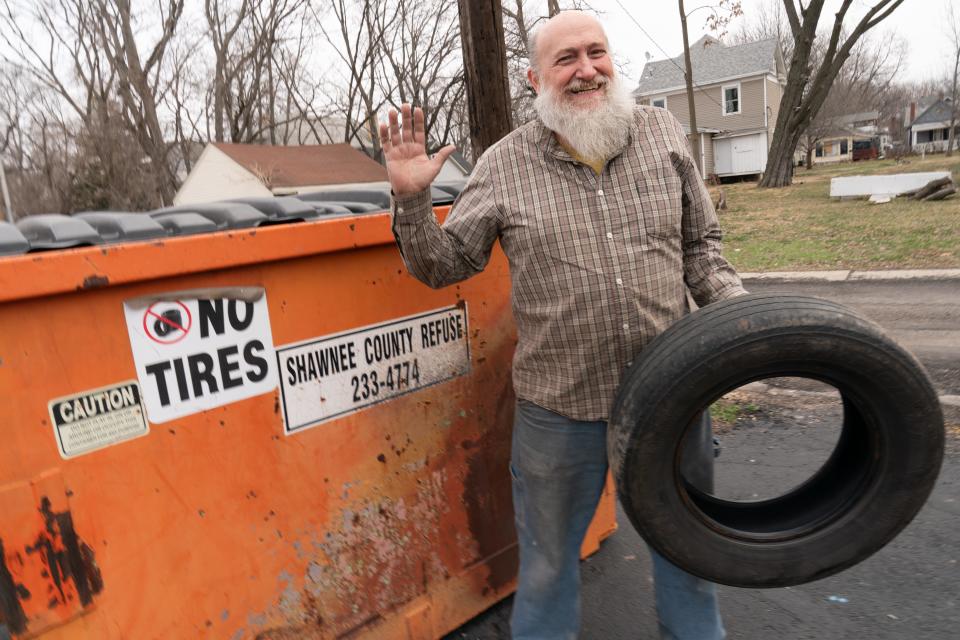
(908, 590)
(922, 315)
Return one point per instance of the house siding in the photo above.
(709, 100)
(707, 155)
(215, 176)
(774, 94)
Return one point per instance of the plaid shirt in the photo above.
(600, 264)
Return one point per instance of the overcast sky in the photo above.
(918, 21)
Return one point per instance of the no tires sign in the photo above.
(199, 350)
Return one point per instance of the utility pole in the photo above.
(694, 132)
(485, 72)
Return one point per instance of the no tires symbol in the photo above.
(167, 322)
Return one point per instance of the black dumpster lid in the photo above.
(183, 223)
(118, 226)
(281, 208)
(57, 231)
(226, 215)
(379, 197)
(352, 206)
(440, 193)
(12, 241)
(330, 208)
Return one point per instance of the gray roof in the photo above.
(937, 112)
(863, 116)
(712, 61)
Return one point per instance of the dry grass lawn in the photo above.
(801, 228)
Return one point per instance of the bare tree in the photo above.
(517, 25)
(359, 42)
(861, 85)
(767, 20)
(422, 55)
(87, 52)
(808, 85)
(138, 78)
(390, 52)
(223, 23)
(250, 88)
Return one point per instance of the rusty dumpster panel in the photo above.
(391, 522)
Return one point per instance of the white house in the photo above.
(227, 170)
(931, 130)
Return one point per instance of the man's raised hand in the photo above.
(409, 167)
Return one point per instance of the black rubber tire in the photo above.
(883, 468)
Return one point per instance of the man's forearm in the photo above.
(431, 254)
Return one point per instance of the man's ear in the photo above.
(534, 80)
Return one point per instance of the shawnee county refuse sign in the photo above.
(198, 350)
(332, 376)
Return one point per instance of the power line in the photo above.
(670, 59)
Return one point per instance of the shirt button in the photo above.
(399, 209)
(600, 193)
(625, 326)
(609, 236)
(620, 281)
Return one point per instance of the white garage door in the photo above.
(740, 155)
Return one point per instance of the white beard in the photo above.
(595, 133)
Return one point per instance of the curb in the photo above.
(949, 403)
(849, 275)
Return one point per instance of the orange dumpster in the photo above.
(264, 432)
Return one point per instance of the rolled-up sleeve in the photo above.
(442, 255)
(709, 276)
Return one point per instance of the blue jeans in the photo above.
(559, 467)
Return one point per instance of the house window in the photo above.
(819, 150)
(843, 147)
(731, 99)
(660, 102)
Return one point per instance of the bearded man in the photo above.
(607, 225)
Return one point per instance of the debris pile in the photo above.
(934, 190)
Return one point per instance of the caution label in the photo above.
(197, 352)
(332, 376)
(92, 420)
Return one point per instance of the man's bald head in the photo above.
(560, 26)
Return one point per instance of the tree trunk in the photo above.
(809, 158)
(485, 71)
(779, 170)
(940, 195)
(931, 187)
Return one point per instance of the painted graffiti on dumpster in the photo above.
(332, 376)
(198, 350)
